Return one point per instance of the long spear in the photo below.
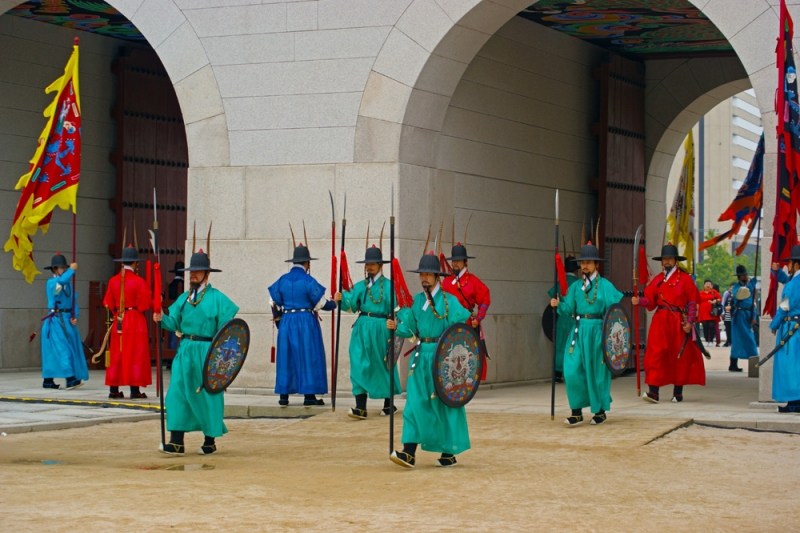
(335, 369)
(390, 359)
(333, 284)
(635, 307)
(157, 309)
(555, 320)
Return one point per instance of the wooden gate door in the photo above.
(150, 154)
(621, 176)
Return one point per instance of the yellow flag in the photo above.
(680, 221)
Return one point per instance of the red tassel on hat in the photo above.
(444, 266)
(404, 298)
(644, 268)
(562, 275)
(347, 281)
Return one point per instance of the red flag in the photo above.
(644, 268)
(788, 194)
(403, 295)
(347, 281)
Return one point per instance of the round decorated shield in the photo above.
(616, 339)
(398, 349)
(457, 365)
(226, 356)
(547, 322)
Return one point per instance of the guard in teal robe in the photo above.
(743, 312)
(196, 316)
(369, 340)
(426, 420)
(564, 325)
(786, 371)
(587, 379)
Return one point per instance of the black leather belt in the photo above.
(197, 338)
(298, 310)
(373, 315)
(792, 318)
(668, 308)
(578, 319)
(53, 311)
(429, 340)
(590, 317)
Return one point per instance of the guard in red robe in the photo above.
(671, 357)
(130, 358)
(472, 294)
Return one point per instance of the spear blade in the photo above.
(556, 206)
(333, 210)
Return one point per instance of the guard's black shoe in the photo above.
(116, 395)
(650, 397)
(598, 419)
(207, 449)
(358, 414)
(138, 395)
(51, 385)
(678, 398)
(310, 402)
(74, 384)
(403, 459)
(171, 448)
(386, 410)
(789, 409)
(559, 377)
(573, 420)
(446, 460)
(734, 369)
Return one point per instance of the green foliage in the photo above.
(719, 265)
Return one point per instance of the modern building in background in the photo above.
(725, 143)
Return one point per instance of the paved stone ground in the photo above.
(725, 400)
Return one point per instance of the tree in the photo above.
(718, 265)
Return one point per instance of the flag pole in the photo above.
(157, 299)
(555, 321)
(333, 284)
(335, 370)
(74, 233)
(390, 358)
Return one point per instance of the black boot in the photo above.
(209, 446)
(73, 383)
(386, 407)
(447, 459)
(48, 383)
(137, 394)
(284, 401)
(114, 393)
(312, 400)
(575, 418)
(359, 412)
(734, 366)
(651, 395)
(677, 394)
(405, 458)
(599, 418)
(175, 445)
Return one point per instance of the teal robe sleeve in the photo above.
(350, 299)
(567, 305)
(171, 321)
(457, 311)
(407, 322)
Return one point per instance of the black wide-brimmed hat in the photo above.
(571, 264)
(177, 268)
(741, 270)
(429, 264)
(199, 262)
(795, 254)
(669, 250)
(58, 260)
(589, 252)
(373, 255)
(459, 253)
(301, 255)
(129, 255)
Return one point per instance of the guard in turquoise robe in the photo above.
(196, 316)
(786, 369)
(426, 420)
(564, 325)
(743, 312)
(587, 379)
(369, 340)
(62, 350)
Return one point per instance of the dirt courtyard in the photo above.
(331, 473)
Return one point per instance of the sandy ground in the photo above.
(330, 473)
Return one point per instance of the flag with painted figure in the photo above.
(746, 207)
(787, 199)
(52, 180)
(680, 221)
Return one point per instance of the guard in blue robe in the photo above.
(296, 300)
(786, 370)
(62, 350)
(743, 310)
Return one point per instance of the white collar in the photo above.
(460, 275)
(198, 291)
(795, 274)
(586, 282)
(128, 267)
(433, 293)
(371, 281)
